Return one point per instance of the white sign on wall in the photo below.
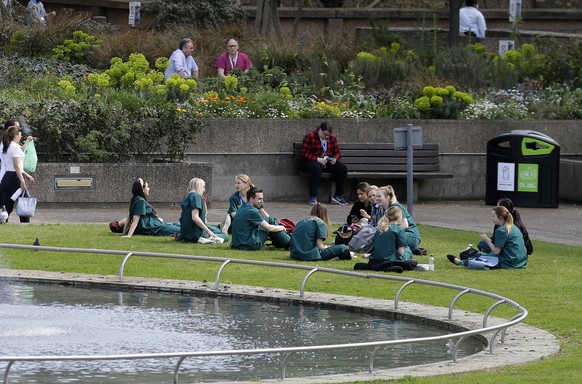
(506, 177)
(514, 10)
(505, 45)
(134, 12)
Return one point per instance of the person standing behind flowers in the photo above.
(182, 62)
(12, 158)
(193, 219)
(308, 236)
(143, 219)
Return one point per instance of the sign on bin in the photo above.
(524, 166)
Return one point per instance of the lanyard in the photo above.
(324, 146)
(233, 61)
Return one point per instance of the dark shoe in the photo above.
(312, 200)
(394, 269)
(453, 259)
(361, 266)
(419, 251)
(339, 200)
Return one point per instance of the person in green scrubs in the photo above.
(309, 234)
(193, 218)
(250, 230)
(143, 219)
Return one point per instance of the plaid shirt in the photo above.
(311, 148)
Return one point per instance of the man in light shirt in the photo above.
(471, 20)
(182, 62)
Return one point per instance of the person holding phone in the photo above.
(320, 153)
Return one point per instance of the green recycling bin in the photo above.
(524, 166)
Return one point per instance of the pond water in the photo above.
(45, 319)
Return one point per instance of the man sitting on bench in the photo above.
(320, 153)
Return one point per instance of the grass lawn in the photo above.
(550, 288)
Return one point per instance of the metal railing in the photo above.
(290, 351)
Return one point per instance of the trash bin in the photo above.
(524, 166)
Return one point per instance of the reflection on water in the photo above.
(60, 320)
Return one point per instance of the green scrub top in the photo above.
(513, 253)
(304, 239)
(247, 233)
(150, 224)
(386, 245)
(189, 231)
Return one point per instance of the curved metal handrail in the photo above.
(289, 351)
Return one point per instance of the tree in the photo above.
(267, 18)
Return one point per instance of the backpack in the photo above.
(288, 224)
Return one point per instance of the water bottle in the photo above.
(431, 262)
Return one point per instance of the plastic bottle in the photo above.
(431, 262)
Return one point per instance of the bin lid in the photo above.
(533, 143)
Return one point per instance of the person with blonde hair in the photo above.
(242, 184)
(507, 249)
(390, 252)
(308, 236)
(193, 226)
(408, 224)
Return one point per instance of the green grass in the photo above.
(550, 287)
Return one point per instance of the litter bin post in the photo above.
(524, 166)
(409, 138)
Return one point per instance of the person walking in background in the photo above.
(320, 153)
(507, 252)
(471, 20)
(182, 62)
(250, 230)
(193, 225)
(308, 236)
(232, 59)
(12, 158)
(38, 13)
(143, 219)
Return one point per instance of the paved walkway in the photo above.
(559, 225)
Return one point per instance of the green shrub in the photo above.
(195, 13)
(442, 103)
(75, 50)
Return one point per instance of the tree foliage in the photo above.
(196, 13)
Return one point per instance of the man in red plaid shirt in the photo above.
(320, 153)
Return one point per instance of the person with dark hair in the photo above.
(232, 59)
(250, 230)
(182, 62)
(506, 251)
(471, 20)
(308, 236)
(193, 226)
(362, 207)
(143, 219)
(507, 203)
(12, 158)
(320, 153)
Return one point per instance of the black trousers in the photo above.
(9, 184)
(314, 169)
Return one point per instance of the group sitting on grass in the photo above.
(378, 227)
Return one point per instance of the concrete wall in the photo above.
(112, 182)
(262, 148)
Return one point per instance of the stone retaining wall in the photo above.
(262, 148)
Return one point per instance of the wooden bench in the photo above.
(367, 161)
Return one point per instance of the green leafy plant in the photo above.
(76, 49)
(442, 103)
